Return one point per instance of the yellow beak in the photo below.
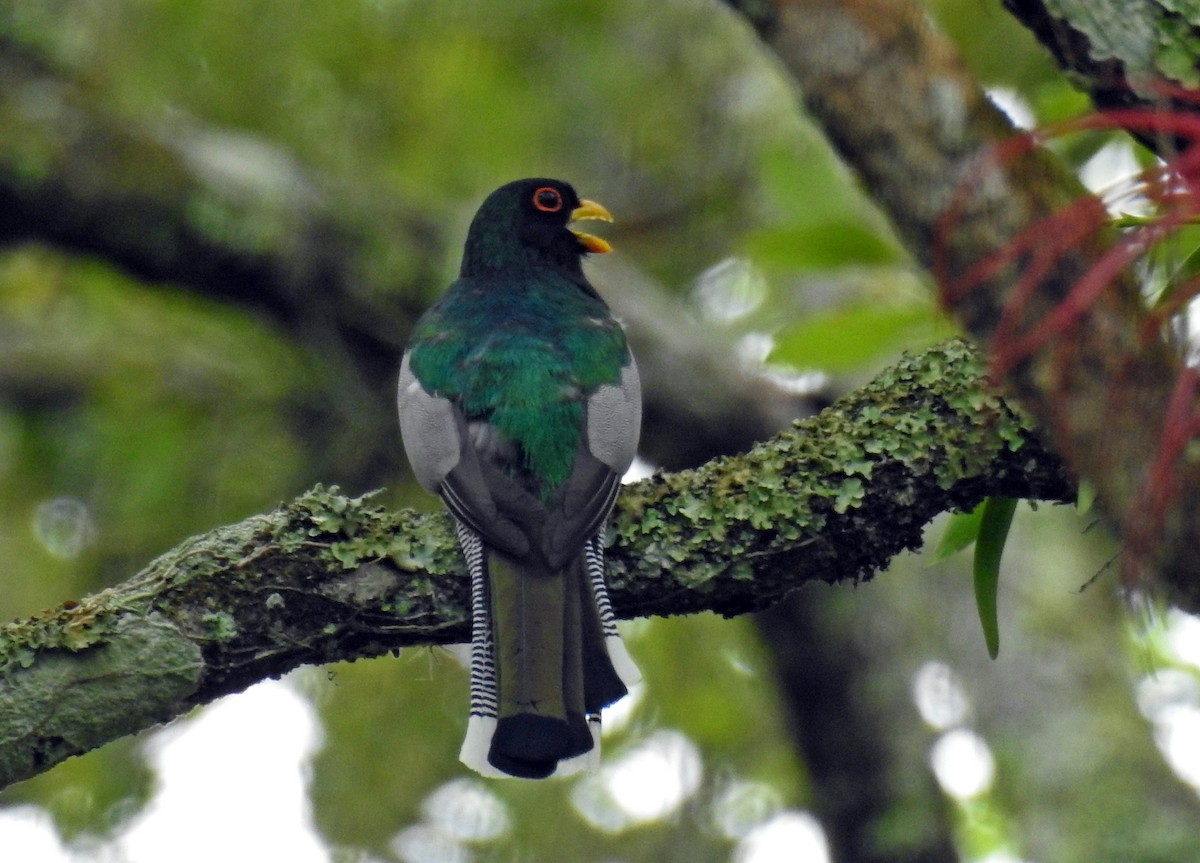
(591, 210)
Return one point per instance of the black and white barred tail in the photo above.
(622, 662)
(482, 719)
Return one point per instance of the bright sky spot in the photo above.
(645, 783)
(640, 469)
(238, 765)
(1164, 689)
(962, 763)
(231, 787)
(1183, 636)
(1177, 733)
(596, 806)
(789, 837)
(1106, 174)
(425, 843)
(939, 695)
(1013, 104)
(743, 806)
(64, 526)
(29, 834)
(800, 383)
(738, 662)
(752, 351)
(467, 810)
(730, 289)
(654, 778)
(617, 716)
(1170, 699)
(1002, 857)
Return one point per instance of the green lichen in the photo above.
(321, 512)
(1153, 39)
(1176, 50)
(913, 410)
(221, 625)
(137, 675)
(74, 626)
(851, 494)
(354, 531)
(929, 418)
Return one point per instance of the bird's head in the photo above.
(527, 222)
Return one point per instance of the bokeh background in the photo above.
(243, 205)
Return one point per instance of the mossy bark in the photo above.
(964, 190)
(326, 577)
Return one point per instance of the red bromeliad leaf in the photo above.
(1041, 307)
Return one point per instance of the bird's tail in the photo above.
(545, 658)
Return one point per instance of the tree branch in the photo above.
(221, 210)
(905, 114)
(1124, 55)
(327, 578)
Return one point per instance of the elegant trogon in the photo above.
(520, 406)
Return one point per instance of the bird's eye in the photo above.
(548, 199)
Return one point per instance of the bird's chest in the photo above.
(525, 399)
(532, 357)
(521, 370)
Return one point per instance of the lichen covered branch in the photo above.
(935, 154)
(326, 577)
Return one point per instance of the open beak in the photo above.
(591, 210)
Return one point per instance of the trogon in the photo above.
(520, 406)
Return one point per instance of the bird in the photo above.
(520, 407)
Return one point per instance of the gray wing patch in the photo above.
(614, 420)
(429, 429)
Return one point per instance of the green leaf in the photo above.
(1178, 259)
(803, 182)
(821, 246)
(851, 337)
(989, 547)
(961, 530)
(1085, 497)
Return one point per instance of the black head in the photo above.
(526, 223)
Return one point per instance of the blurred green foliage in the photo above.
(132, 414)
(158, 412)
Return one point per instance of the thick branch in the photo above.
(1125, 55)
(327, 578)
(906, 115)
(220, 210)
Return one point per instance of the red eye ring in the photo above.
(548, 199)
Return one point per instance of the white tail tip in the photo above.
(622, 662)
(477, 744)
